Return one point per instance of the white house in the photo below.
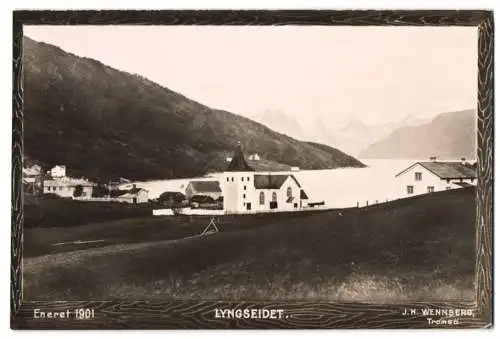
(254, 156)
(58, 171)
(431, 176)
(65, 187)
(246, 190)
(134, 196)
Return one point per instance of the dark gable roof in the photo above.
(303, 195)
(448, 169)
(136, 190)
(205, 186)
(271, 181)
(238, 162)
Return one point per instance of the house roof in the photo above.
(238, 162)
(65, 181)
(447, 170)
(205, 186)
(271, 181)
(303, 195)
(128, 195)
(136, 190)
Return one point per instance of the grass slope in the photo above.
(420, 248)
(102, 122)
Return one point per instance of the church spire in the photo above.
(238, 162)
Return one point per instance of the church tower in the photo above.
(237, 184)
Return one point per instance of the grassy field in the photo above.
(414, 249)
(52, 211)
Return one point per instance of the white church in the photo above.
(246, 190)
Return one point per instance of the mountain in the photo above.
(101, 122)
(450, 135)
(280, 122)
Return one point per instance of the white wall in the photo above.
(233, 189)
(236, 196)
(66, 191)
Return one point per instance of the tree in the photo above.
(78, 191)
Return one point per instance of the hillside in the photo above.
(102, 122)
(421, 248)
(450, 135)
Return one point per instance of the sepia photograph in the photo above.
(266, 164)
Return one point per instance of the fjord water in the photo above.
(347, 187)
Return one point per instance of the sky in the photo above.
(374, 74)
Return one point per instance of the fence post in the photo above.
(366, 202)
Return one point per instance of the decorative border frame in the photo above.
(199, 314)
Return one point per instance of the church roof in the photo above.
(238, 162)
(271, 181)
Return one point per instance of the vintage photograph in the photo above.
(249, 163)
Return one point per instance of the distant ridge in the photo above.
(450, 135)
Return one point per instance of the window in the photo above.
(232, 178)
(261, 198)
(418, 176)
(242, 179)
(244, 196)
(275, 197)
(430, 189)
(244, 188)
(248, 178)
(227, 179)
(409, 189)
(289, 192)
(447, 181)
(448, 188)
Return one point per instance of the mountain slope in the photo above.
(280, 122)
(448, 136)
(102, 122)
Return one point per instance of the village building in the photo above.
(246, 190)
(58, 171)
(32, 180)
(210, 188)
(134, 196)
(32, 171)
(68, 187)
(432, 176)
(254, 156)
